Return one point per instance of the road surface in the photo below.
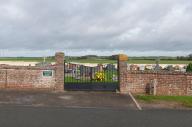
(26, 116)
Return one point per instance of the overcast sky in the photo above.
(102, 27)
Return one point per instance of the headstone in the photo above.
(157, 67)
(110, 67)
(100, 67)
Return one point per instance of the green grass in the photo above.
(71, 79)
(82, 80)
(184, 100)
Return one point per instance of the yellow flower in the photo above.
(100, 76)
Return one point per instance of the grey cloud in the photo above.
(138, 25)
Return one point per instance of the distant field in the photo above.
(94, 61)
(132, 61)
(26, 59)
(161, 62)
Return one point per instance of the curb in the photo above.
(135, 101)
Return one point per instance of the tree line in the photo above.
(189, 57)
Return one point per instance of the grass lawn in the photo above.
(107, 78)
(184, 100)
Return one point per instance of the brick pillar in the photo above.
(188, 89)
(122, 66)
(59, 71)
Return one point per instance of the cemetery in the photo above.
(154, 79)
(82, 72)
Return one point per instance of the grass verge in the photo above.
(184, 100)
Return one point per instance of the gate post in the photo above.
(59, 71)
(122, 67)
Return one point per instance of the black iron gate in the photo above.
(101, 77)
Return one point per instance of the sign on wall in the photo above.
(47, 73)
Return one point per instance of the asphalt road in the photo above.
(66, 99)
(18, 116)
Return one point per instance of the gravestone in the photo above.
(157, 67)
(110, 67)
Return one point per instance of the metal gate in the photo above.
(101, 77)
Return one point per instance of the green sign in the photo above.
(48, 73)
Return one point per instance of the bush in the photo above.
(189, 68)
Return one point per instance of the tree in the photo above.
(189, 68)
(190, 56)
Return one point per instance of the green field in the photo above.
(134, 61)
(26, 59)
(131, 61)
(184, 100)
(161, 62)
(94, 61)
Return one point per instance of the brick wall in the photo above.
(30, 77)
(167, 83)
(2, 78)
(26, 77)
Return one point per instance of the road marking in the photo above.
(135, 101)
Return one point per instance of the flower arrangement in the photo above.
(99, 76)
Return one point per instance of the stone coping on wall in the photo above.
(159, 72)
(27, 67)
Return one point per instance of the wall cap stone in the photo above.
(27, 67)
(123, 57)
(59, 53)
